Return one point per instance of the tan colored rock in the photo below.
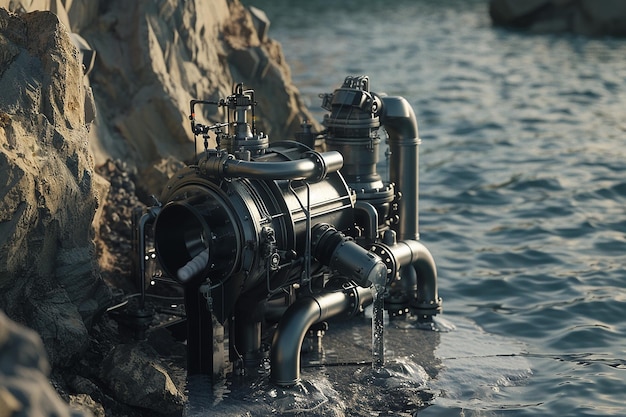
(179, 51)
(154, 57)
(48, 274)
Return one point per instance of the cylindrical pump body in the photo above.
(245, 225)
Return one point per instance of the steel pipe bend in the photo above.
(295, 322)
(314, 168)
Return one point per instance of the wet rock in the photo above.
(24, 387)
(137, 377)
(586, 17)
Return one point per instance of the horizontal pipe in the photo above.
(342, 254)
(313, 168)
(292, 328)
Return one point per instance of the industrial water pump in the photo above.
(270, 239)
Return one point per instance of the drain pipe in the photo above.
(292, 328)
(400, 122)
(356, 265)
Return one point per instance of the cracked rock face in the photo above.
(151, 58)
(48, 274)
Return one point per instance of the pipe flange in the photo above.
(322, 170)
(426, 310)
(385, 254)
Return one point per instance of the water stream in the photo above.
(378, 329)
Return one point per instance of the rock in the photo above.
(47, 199)
(601, 17)
(514, 13)
(86, 404)
(180, 51)
(24, 387)
(109, 82)
(137, 377)
(586, 17)
(261, 23)
(153, 57)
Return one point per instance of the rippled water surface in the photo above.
(522, 195)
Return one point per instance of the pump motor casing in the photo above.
(245, 224)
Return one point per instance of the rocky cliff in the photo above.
(94, 99)
(48, 271)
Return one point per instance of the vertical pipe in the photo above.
(399, 121)
(288, 338)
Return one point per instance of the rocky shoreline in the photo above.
(93, 120)
(92, 123)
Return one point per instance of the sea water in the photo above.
(522, 192)
(522, 204)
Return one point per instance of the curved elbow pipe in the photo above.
(427, 302)
(292, 328)
(399, 119)
(314, 168)
(371, 216)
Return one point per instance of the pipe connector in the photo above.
(340, 253)
(425, 302)
(399, 120)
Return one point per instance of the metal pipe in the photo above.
(339, 252)
(400, 122)
(140, 221)
(314, 168)
(411, 252)
(371, 232)
(292, 328)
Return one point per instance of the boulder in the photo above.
(49, 277)
(586, 17)
(138, 378)
(24, 386)
(152, 58)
